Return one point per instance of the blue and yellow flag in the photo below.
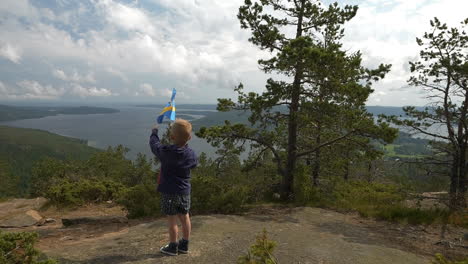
(169, 109)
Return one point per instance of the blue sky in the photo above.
(137, 51)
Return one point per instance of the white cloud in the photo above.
(147, 89)
(21, 8)
(74, 76)
(385, 32)
(167, 93)
(89, 91)
(176, 44)
(11, 53)
(117, 73)
(3, 89)
(34, 90)
(59, 74)
(127, 17)
(195, 57)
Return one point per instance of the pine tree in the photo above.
(318, 79)
(442, 71)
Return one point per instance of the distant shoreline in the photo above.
(12, 113)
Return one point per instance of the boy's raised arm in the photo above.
(193, 161)
(155, 143)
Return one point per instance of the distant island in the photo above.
(10, 113)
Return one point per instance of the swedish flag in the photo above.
(169, 109)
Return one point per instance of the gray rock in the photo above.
(94, 220)
(314, 240)
(28, 218)
(46, 221)
(20, 206)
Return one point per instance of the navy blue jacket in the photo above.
(176, 163)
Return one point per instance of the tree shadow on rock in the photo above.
(362, 235)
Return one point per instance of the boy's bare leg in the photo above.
(186, 225)
(172, 224)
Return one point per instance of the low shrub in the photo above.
(141, 201)
(68, 193)
(210, 194)
(261, 252)
(412, 215)
(233, 200)
(459, 219)
(370, 199)
(440, 259)
(205, 191)
(16, 248)
(305, 194)
(366, 198)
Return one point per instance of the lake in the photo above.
(131, 127)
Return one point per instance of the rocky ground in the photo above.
(303, 235)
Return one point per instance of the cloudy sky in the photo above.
(137, 50)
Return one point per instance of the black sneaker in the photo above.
(170, 249)
(183, 246)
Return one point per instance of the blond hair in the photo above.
(181, 131)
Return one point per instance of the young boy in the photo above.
(176, 162)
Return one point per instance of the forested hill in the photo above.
(21, 148)
(9, 113)
(388, 110)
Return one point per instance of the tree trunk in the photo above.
(316, 169)
(461, 188)
(459, 196)
(346, 174)
(346, 167)
(288, 178)
(458, 180)
(453, 181)
(369, 170)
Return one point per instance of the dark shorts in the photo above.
(173, 204)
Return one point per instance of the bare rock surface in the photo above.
(23, 219)
(303, 235)
(17, 213)
(18, 206)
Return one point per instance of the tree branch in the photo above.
(305, 153)
(259, 141)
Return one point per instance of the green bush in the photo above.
(412, 215)
(232, 200)
(105, 167)
(440, 259)
(369, 199)
(141, 201)
(261, 252)
(211, 194)
(366, 198)
(68, 193)
(304, 192)
(18, 248)
(205, 192)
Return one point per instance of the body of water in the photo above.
(131, 127)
